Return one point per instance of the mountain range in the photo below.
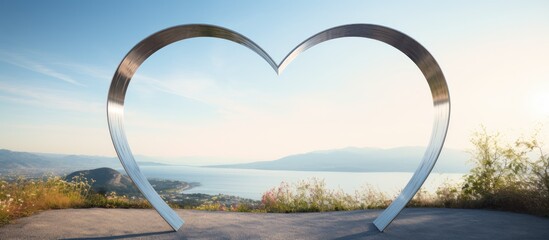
(26, 163)
(352, 159)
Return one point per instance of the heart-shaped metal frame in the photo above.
(417, 53)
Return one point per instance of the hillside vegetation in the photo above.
(23, 197)
(506, 176)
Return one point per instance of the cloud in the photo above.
(48, 98)
(28, 64)
(202, 90)
(89, 70)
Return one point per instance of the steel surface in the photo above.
(417, 53)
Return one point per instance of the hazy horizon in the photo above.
(208, 160)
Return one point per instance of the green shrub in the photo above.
(505, 177)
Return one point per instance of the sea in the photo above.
(252, 183)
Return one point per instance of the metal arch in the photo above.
(439, 92)
(117, 93)
(417, 53)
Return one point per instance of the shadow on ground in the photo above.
(418, 223)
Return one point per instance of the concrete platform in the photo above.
(415, 223)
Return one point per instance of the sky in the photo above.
(216, 100)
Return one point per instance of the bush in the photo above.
(504, 176)
(313, 196)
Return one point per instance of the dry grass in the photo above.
(24, 197)
(313, 196)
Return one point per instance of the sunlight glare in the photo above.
(540, 104)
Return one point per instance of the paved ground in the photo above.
(419, 223)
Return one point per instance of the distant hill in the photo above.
(25, 163)
(402, 159)
(106, 180)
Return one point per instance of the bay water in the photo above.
(252, 183)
